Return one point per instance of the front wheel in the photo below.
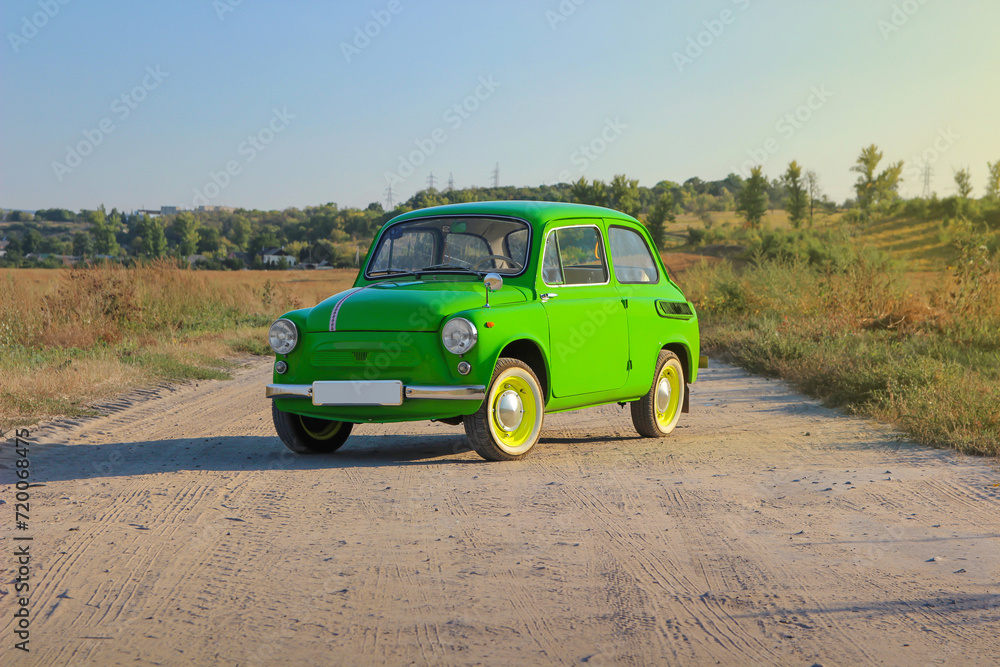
(508, 423)
(309, 435)
(657, 413)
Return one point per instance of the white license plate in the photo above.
(358, 392)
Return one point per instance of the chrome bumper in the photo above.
(412, 392)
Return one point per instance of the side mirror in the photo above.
(493, 283)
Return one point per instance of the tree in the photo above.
(185, 228)
(210, 240)
(662, 212)
(154, 241)
(81, 244)
(752, 203)
(815, 193)
(963, 179)
(594, 194)
(624, 195)
(31, 242)
(875, 192)
(796, 203)
(993, 184)
(105, 242)
(239, 231)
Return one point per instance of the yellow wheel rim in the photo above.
(512, 433)
(320, 429)
(668, 393)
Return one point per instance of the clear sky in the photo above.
(135, 104)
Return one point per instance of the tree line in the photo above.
(234, 239)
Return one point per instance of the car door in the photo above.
(640, 286)
(588, 328)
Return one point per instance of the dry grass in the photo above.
(861, 336)
(70, 337)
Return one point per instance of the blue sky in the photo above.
(269, 105)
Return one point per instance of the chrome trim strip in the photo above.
(288, 391)
(459, 393)
(448, 393)
(336, 308)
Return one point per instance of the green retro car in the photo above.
(490, 315)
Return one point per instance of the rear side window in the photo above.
(631, 257)
(574, 256)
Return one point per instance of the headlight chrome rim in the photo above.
(283, 336)
(459, 335)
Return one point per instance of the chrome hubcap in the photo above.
(663, 392)
(510, 411)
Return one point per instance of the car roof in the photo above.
(537, 212)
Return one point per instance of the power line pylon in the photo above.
(928, 172)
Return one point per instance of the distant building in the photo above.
(223, 209)
(274, 256)
(168, 210)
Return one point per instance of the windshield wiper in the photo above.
(394, 272)
(450, 267)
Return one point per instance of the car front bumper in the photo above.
(372, 393)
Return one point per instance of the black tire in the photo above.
(309, 435)
(489, 436)
(654, 420)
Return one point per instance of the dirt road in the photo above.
(765, 530)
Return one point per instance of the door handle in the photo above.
(548, 295)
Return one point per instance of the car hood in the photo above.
(404, 306)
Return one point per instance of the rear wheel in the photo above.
(657, 413)
(309, 435)
(509, 422)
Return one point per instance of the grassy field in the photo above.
(72, 337)
(898, 321)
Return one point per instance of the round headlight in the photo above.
(459, 335)
(282, 336)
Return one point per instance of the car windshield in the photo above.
(451, 244)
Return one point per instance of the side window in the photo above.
(631, 258)
(574, 256)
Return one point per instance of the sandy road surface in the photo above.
(766, 530)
